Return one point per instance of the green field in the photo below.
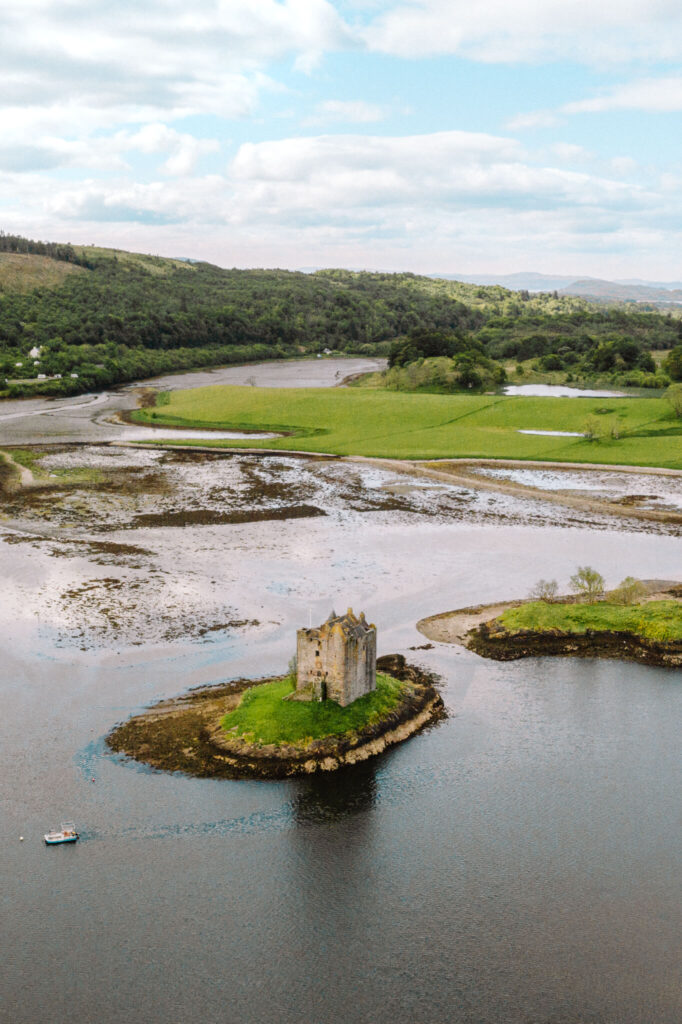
(264, 717)
(656, 620)
(424, 426)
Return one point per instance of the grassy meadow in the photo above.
(656, 620)
(389, 424)
(263, 716)
(22, 272)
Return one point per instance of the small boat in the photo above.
(65, 834)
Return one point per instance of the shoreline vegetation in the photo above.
(648, 631)
(245, 729)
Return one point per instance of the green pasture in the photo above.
(389, 424)
(263, 716)
(657, 620)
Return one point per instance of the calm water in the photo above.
(518, 863)
(559, 391)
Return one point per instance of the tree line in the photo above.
(130, 316)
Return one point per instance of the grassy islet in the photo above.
(264, 717)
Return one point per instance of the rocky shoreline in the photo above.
(500, 645)
(184, 734)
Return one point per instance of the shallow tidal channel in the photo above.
(519, 862)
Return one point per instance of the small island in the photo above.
(337, 706)
(638, 621)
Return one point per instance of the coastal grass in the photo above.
(31, 459)
(28, 457)
(385, 424)
(655, 620)
(264, 717)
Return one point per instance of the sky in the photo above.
(433, 136)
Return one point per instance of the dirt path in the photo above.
(18, 480)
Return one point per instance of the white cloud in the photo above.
(534, 119)
(157, 60)
(441, 172)
(653, 95)
(623, 166)
(184, 150)
(442, 204)
(350, 111)
(521, 30)
(84, 84)
(649, 94)
(569, 152)
(346, 187)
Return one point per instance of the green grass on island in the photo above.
(389, 424)
(264, 717)
(655, 620)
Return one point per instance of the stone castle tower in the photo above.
(337, 660)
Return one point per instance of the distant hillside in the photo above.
(595, 289)
(591, 288)
(528, 281)
(99, 317)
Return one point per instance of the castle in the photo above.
(337, 660)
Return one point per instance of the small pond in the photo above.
(558, 391)
(553, 433)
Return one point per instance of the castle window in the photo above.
(317, 654)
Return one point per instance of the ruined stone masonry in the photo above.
(337, 660)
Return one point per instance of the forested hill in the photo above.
(102, 316)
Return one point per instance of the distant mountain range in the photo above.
(659, 293)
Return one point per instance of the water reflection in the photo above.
(332, 797)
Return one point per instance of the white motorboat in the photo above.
(65, 834)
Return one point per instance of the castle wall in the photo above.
(334, 664)
(309, 660)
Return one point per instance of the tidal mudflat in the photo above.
(518, 863)
(634, 489)
(148, 545)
